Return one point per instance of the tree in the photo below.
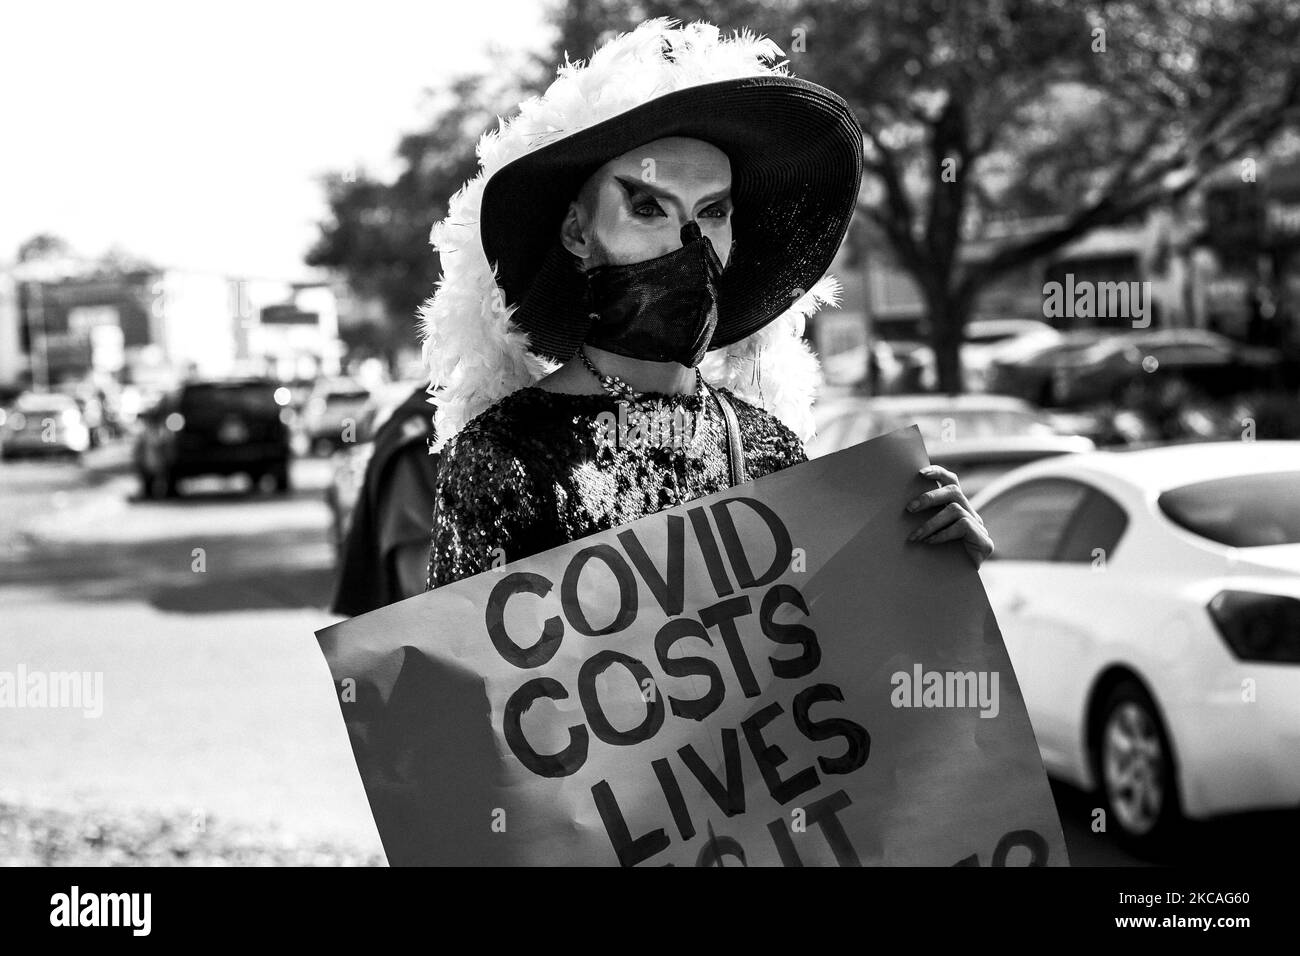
(1086, 112)
(44, 245)
(377, 235)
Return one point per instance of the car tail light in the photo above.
(1258, 627)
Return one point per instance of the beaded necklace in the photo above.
(660, 436)
(620, 389)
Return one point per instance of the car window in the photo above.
(1027, 522)
(1187, 354)
(1244, 511)
(961, 425)
(988, 338)
(44, 404)
(1095, 531)
(214, 400)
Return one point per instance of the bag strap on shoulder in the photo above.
(735, 448)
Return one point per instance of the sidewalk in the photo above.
(227, 717)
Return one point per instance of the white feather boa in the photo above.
(476, 355)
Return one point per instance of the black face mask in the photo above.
(660, 310)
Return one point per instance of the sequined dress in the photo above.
(539, 469)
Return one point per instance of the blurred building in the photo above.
(1252, 232)
(153, 326)
(1124, 253)
(11, 360)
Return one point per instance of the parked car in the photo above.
(1207, 362)
(977, 436)
(916, 366)
(330, 415)
(43, 423)
(1150, 605)
(983, 340)
(875, 364)
(1028, 373)
(979, 354)
(222, 427)
(348, 464)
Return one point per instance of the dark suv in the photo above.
(214, 428)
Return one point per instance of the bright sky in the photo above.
(191, 133)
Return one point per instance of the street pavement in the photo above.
(200, 613)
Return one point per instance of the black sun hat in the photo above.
(796, 162)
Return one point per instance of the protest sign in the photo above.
(770, 675)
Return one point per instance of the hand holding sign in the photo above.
(956, 520)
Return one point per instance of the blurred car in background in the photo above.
(300, 390)
(915, 366)
(1150, 605)
(1207, 362)
(1027, 371)
(987, 339)
(874, 366)
(348, 464)
(223, 427)
(983, 341)
(329, 416)
(95, 416)
(977, 436)
(43, 423)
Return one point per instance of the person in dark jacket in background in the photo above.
(387, 547)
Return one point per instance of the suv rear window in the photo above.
(1245, 511)
(212, 400)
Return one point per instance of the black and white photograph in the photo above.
(620, 433)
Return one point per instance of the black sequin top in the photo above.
(539, 469)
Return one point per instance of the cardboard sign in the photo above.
(770, 675)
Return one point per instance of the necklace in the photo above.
(620, 389)
(634, 428)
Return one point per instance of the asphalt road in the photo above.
(201, 613)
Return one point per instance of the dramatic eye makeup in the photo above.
(643, 200)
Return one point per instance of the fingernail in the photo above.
(911, 505)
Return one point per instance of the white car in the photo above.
(43, 423)
(1150, 604)
(330, 415)
(977, 436)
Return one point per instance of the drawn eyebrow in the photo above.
(632, 186)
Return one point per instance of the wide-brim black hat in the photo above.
(796, 163)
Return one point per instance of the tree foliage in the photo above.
(377, 233)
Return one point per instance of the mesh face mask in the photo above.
(660, 310)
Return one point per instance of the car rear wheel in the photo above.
(281, 474)
(1135, 768)
(159, 484)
